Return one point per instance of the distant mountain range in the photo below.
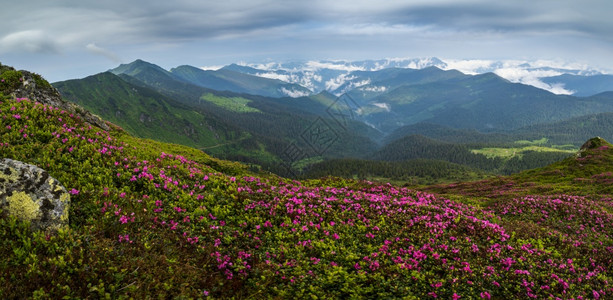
(334, 76)
(151, 102)
(371, 109)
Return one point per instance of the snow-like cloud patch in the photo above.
(270, 66)
(374, 88)
(335, 83)
(383, 106)
(532, 77)
(272, 75)
(472, 67)
(340, 66)
(211, 68)
(294, 93)
(305, 79)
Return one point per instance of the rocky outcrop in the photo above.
(30, 194)
(593, 143)
(35, 88)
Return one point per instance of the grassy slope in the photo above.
(144, 112)
(235, 104)
(586, 174)
(159, 220)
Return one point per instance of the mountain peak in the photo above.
(136, 67)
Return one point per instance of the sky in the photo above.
(67, 39)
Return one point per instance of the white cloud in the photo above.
(294, 93)
(340, 66)
(33, 41)
(532, 77)
(472, 66)
(262, 66)
(212, 68)
(93, 48)
(335, 83)
(383, 106)
(272, 75)
(373, 88)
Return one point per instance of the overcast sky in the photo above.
(64, 39)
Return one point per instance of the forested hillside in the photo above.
(481, 122)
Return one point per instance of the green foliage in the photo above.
(146, 113)
(10, 80)
(41, 82)
(155, 220)
(415, 171)
(235, 104)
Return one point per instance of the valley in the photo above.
(391, 114)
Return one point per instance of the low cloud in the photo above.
(340, 66)
(212, 68)
(532, 77)
(32, 41)
(294, 93)
(93, 48)
(383, 106)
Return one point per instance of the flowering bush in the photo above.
(156, 220)
(10, 80)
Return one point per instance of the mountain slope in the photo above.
(149, 75)
(146, 113)
(366, 85)
(450, 135)
(582, 86)
(587, 173)
(484, 102)
(574, 130)
(253, 129)
(227, 80)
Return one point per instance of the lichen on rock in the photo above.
(22, 206)
(30, 194)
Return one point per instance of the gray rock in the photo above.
(30, 194)
(48, 95)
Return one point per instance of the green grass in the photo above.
(542, 141)
(508, 153)
(235, 104)
(588, 173)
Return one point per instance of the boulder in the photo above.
(30, 194)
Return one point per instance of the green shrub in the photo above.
(10, 80)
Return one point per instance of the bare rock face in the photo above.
(30, 194)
